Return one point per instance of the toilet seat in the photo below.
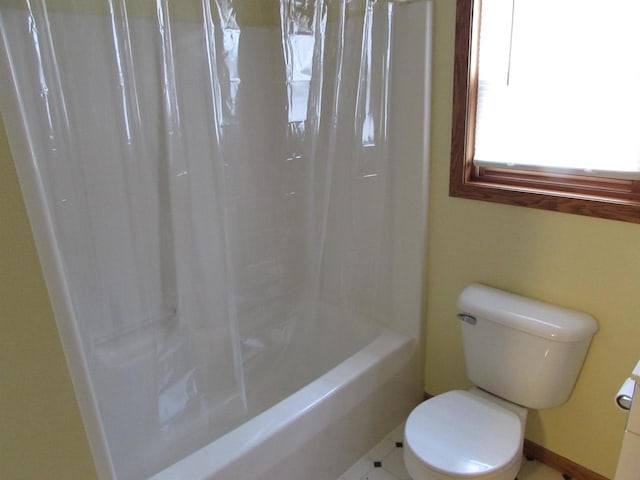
(463, 434)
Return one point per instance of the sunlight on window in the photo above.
(558, 87)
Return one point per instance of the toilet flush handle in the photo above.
(470, 319)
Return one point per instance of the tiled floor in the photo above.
(384, 462)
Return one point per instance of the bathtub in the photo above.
(320, 430)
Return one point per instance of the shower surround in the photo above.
(229, 204)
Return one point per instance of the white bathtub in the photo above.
(320, 430)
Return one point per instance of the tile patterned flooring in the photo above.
(384, 462)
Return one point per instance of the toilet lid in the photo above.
(458, 433)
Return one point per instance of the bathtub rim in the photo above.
(229, 448)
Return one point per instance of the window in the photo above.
(532, 89)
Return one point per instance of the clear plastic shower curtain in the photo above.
(213, 170)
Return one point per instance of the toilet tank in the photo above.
(523, 350)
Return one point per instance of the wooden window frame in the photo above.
(562, 192)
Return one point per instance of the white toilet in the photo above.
(521, 354)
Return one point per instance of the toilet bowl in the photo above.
(520, 353)
(462, 434)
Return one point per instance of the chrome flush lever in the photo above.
(470, 319)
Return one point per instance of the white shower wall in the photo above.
(204, 228)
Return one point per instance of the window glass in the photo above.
(558, 86)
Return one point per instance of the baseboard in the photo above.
(565, 466)
(559, 463)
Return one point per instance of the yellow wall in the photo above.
(41, 433)
(579, 262)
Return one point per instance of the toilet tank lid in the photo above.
(525, 314)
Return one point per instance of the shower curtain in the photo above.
(213, 170)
